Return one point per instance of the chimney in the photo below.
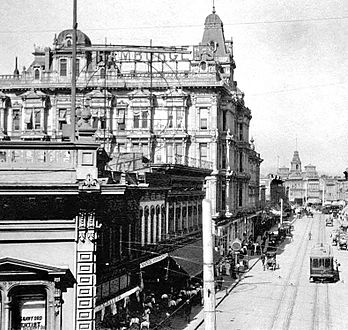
(16, 71)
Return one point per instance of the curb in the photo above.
(229, 290)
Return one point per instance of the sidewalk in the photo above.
(228, 286)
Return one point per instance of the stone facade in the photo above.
(175, 129)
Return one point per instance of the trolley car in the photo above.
(323, 267)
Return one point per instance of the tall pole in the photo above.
(73, 75)
(281, 211)
(208, 268)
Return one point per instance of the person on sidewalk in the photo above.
(219, 282)
(188, 309)
(263, 259)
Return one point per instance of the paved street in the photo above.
(284, 298)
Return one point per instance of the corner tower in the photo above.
(296, 163)
(214, 34)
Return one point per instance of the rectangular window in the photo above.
(203, 151)
(241, 132)
(240, 196)
(224, 125)
(16, 120)
(178, 153)
(136, 120)
(203, 117)
(121, 119)
(28, 119)
(63, 67)
(170, 150)
(223, 198)
(61, 118)
(223, 156)
(170, 118)
(144, 116)
(37, 119)
(241, 161)
(179, 118)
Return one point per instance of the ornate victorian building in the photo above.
(303, 186)
(171, 128)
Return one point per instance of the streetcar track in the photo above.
(296, 264)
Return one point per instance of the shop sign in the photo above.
(116, 299)
(153, 260)
(33, 315)
(146, 56)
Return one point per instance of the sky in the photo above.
(291, 56)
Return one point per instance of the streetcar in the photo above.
(323, 266)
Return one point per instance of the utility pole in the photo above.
(73, 75)
(281, 211)
(208, 268)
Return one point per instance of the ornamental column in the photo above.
(86, 266)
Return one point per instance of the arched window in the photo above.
(153, 225)
(102, 73)
(164, 223)
(36, 74)
(68, 43)
(147, 227)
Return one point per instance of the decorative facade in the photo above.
(171, 128)
(303, 187)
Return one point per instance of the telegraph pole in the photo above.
(281, 211)
(208, 268)
(73, 75)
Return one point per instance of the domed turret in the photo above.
(214, 34)
(213, 19)
(65, 39)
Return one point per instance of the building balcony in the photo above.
(134, 161)
(113, 80)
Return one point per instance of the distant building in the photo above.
(303, 187)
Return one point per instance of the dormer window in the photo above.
(68, 40)
(37, 74)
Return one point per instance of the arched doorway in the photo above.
(28, 307)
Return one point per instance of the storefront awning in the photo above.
(190, 258)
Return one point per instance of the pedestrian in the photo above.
(309, 235)
(263, 259)
(219, 282)
(188, 309)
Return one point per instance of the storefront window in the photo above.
(28, 309)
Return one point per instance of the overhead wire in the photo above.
(175, 26)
